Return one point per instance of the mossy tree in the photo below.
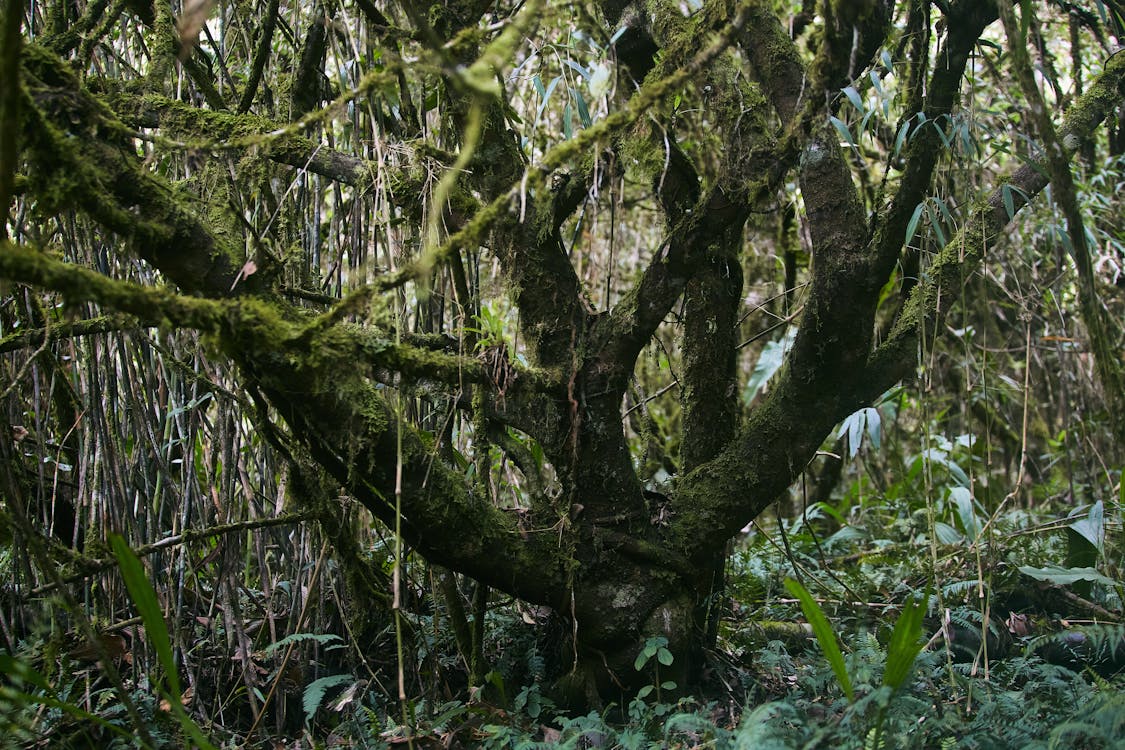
(713, 114)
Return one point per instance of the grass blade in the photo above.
(825, 635)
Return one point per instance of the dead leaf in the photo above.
(247, 270)
(1019, 625)
(191, 23)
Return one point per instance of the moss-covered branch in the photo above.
(261, 54)
(79, 157)
(67, 330)
(158, 305)
(179, 120)
(67, 38)
(11, 20)
(704, 220)
(355, 434)
(244, 322)
(310, 374)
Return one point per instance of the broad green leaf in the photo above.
(1065, 576)
(866, 119)
(963, 502)
(968, 143)
(578, 68)
(769, 362)
(855, 433)
(825, 636)
(874, 427)
(900, 139)
(877, 82)
(942, 134)
(843, 130)
(825, 508)
(545, 97)
(1092, 526)
(583, 110)
(957, 473)
(945, 212)
(1006, 195)
(1080, 553)
(144, 599)
(1009, 204)
(935, 222)
(946, 534)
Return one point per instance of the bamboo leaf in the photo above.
(583, 110)
(321, 638)
(903, 131)
(912, 225)
(843, 130)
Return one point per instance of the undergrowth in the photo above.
(1035, 680)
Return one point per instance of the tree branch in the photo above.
(310, 374)
(67, 330)
(701, 227)
(352, 431)
(261, 54)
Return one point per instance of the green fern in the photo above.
(1100, 647)
(315, 691)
